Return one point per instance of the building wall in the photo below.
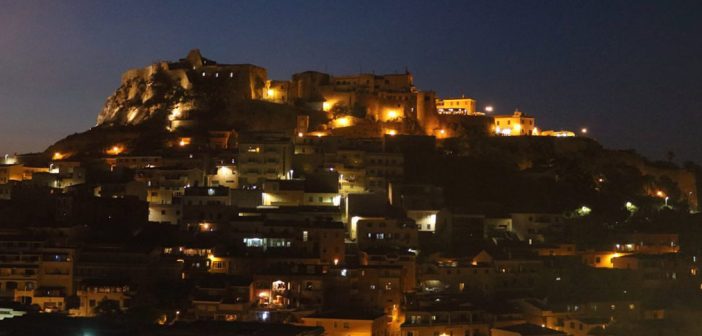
(514, 125)
(386, 233)
(462, 106)
(277, 91)
(534, 225)
(165, 213)
(90, 298)
(260, 161)
(347, 327)
(57, 268)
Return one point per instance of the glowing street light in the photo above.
(488, 108)
(115, 150)
(583, 211)
(631, 207)
(343, 122)
(583, 130)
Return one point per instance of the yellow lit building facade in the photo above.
(515, 124)
(277, 91)
(456, 106)
(18, 172)
(339, 324)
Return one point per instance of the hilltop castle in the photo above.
(390, 103)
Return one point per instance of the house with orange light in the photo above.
(352, 323)
(516, 124)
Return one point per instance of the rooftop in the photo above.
(239, 328)
(348, 315)
(528, 329)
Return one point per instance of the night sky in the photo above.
(629, 71)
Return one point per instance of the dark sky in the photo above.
(630, 71)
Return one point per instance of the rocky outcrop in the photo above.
(179, 93)
(146, 93)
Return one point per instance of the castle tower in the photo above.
(195, 58)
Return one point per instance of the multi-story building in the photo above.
(321, 240)
(102, 294)
(393, 257)
(444, 316)
(389, 98)
(524, 329)
(535, 226)
(33, 273)
(384, 232)
(166, 213)
(222, 297)
(515, 124)
(481, 272)
(135, 161)
(289, 286)
(264, 157)
(353, 323)
(382, 168)
(456, 106)
(226, 175)
(366, 288)
(60, 175)
(648, 243)
(18, 172)
(655, 270)
(455, 227)
(133, 265)
(21, 257)
(163, 184)
(319, 190)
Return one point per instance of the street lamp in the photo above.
(488, 108)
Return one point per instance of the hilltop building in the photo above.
(517, 123)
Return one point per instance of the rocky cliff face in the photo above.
(189, 92)
(152, 92)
